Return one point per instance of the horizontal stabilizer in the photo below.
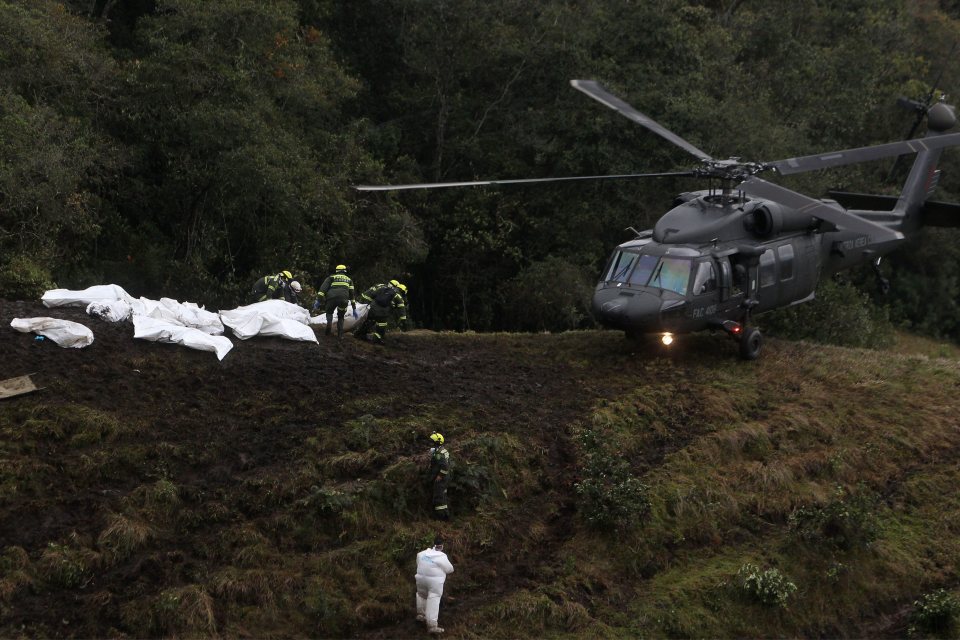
(941, 214)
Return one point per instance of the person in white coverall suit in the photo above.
(432, 569)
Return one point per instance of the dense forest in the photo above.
(183, 148)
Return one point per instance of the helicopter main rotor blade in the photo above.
(478, 183)
(862, 154)
(842, 219)
(598, 93)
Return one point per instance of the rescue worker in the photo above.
(281, 285)
(402, 288)
(381, 298)
(432, 569)
(292, 292)
(438, 475)
(335, 292)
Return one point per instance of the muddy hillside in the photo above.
(148, 490)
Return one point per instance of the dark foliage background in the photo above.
(183, 148)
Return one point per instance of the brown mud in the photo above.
(219, 426)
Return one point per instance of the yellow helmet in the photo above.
(287, 275)
(437, 437)
(402, 287)
(341, 268)
(395, 283)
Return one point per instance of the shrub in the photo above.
(123, 536)
(552, 295)
(64, 566)
(846, 522)
(769, 587)
(841, 314)
(14, 575)
(609, 496)
(934, 613)
(185, 608)
(23, 279)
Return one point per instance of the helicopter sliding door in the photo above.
(731, 287)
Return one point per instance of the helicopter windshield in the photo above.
(672, 274)
(620, 266)
(668, 273)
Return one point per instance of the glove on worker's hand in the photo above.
(316, 305)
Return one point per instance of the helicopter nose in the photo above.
(628, 310)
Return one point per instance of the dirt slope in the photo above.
(243, 419)
(149, 490)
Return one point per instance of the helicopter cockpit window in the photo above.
(620, 266)
(645, 266)
(672, 274)
(706, 279)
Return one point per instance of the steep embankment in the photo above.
(149, 490)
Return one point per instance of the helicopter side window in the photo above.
(672, 274)
(706, 279)
(768, 268)
(785, 253)
(645, 266)
(620, 266)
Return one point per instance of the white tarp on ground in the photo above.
(349, 321)
(158, 330)
(186, 314)
(164, 320)
(97, 293)
(112, 303)
(64, 332)
(270, 318)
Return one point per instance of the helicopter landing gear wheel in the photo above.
(751, 342)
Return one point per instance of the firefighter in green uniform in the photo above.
(337, 290)
(281, 285)
(381, 298)
(439, 477)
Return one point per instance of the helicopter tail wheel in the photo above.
(751, 342)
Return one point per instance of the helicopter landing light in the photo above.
(667, 339)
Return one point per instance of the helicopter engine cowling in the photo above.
(770, 218)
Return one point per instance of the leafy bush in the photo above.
(552, 295)
(841, 314)
(21, 278)
(769, 587)
(609, 495)
(934, 613)
(846, 522)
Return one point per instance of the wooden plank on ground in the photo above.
(16, 386)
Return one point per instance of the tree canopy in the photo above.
(184, 148)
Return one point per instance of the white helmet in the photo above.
(295, 286)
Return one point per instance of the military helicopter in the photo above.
(722, 255)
